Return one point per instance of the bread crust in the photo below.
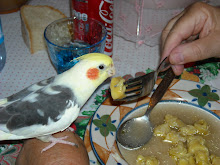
(27, 32)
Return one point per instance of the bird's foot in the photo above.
(54, 141)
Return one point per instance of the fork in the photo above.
(143, 85)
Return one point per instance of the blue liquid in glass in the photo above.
(65, 57)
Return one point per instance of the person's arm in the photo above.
(60, 154)
(198, 19)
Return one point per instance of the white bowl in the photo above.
(189, 113)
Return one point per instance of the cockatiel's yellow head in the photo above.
(98, 67)
(91, 71)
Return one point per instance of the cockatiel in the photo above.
(51, 105)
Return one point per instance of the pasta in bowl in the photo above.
(184, 133)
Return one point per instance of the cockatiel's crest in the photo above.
(51, 105)
(103, 62)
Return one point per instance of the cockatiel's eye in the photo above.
(101, 66)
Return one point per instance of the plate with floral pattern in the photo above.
(101, 130)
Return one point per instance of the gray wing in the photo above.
(23, 93)
(36, 108)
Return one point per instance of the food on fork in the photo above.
(117, 88)
(34, 21)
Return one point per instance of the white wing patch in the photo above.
(50, 91)
(70, 103)
(40, 112)
(31, 98)
(3, 101)
(59, 116)
(34, 87)
(49, 121)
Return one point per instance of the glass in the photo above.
(69, 38)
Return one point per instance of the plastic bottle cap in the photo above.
(1, 33)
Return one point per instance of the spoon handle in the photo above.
(160, 91)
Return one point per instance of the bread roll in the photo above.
(34, 21)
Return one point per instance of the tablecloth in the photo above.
(23, 69)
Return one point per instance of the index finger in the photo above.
(189, 24)
(168, 28)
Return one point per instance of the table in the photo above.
(23, 69)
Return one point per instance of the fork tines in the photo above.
(133, 88)
(139, 87)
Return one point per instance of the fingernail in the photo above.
(178, 69)
(177, 58)
(174, 68)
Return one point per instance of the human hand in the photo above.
(60, 154)
(198, 19)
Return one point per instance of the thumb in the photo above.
(194, 51)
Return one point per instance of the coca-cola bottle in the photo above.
(101, 10)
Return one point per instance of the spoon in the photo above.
(134, 133)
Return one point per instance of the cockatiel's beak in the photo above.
(111, 71)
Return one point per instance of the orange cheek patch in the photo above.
(93, 73)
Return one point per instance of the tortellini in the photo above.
(178, 151)
(196, 143)
(201, 127)
(162, 130)
(174, 137)
(173, 121)
(148, 160)
(189, 145)
(215, 160)
(188, 130)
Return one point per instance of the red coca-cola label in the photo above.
(101, 10)
(80, 9)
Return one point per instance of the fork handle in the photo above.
(161, 89)
(163, 65)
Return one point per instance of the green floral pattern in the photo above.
(205, 71)
(204, 95)
(81, 126)
(104, 124)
